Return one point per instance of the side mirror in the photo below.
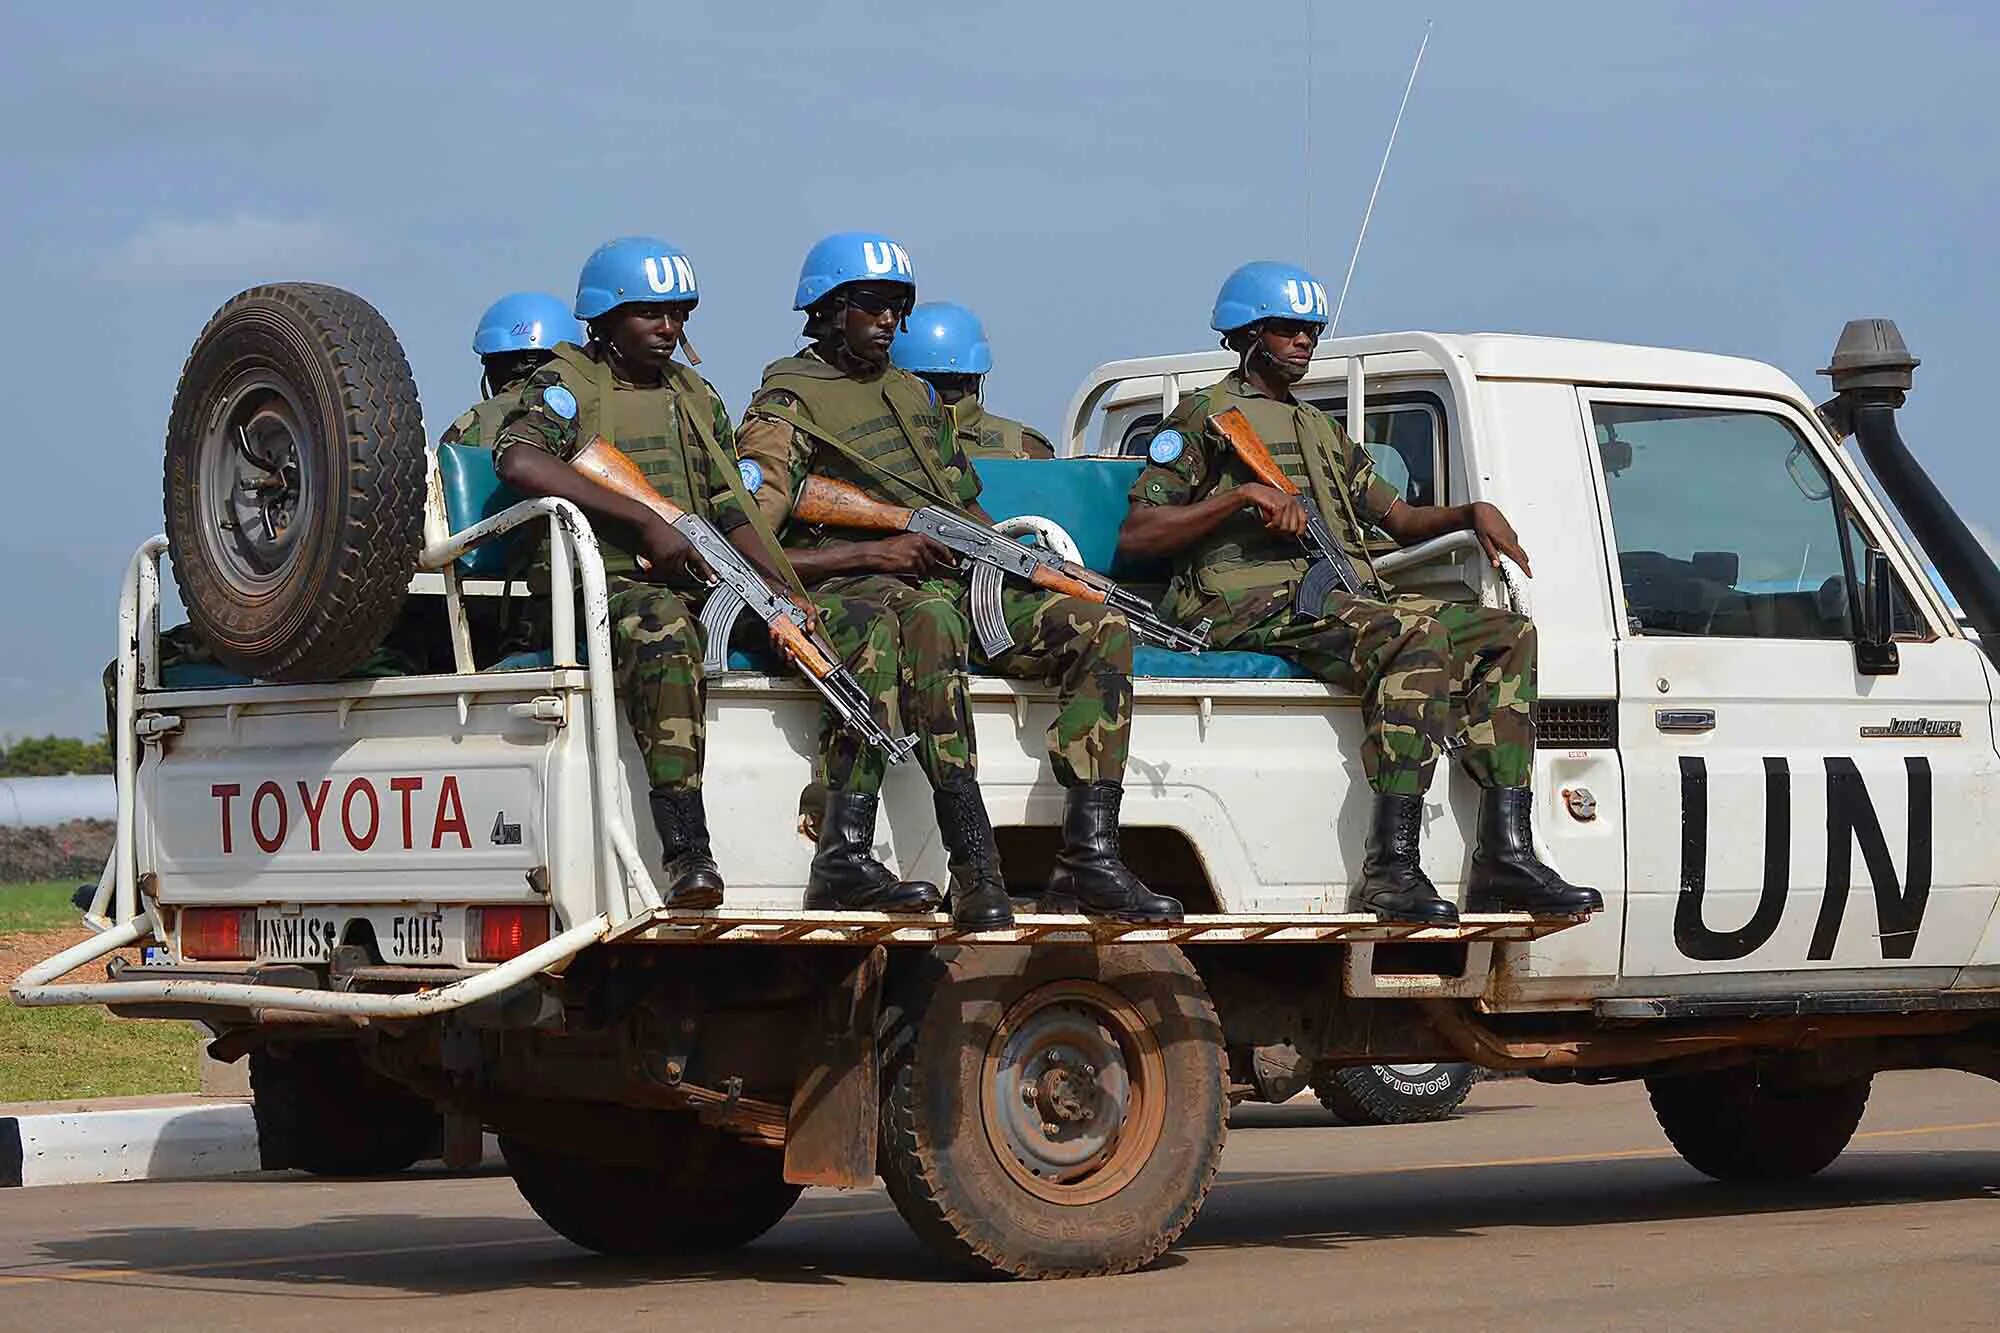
(1874, 642)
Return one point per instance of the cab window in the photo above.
(1727, 525)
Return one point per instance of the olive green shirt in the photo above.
(563, 405)
(1242, 572)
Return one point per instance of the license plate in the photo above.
(401, 935)
(416, 937)
(298, 937)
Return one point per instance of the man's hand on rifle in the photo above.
(912, 555)
(668, 555)
(811, 612)
(1281, 513)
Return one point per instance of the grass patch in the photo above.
(43, 906)
(82, 1051)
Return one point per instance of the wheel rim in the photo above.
(1075, 1092)
(256, 468)
(1414, 1071)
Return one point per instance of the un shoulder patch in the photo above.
(753, 475)
(560, 401)
(1166, 447)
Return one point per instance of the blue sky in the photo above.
(1734, 177)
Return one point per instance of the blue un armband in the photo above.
(1166, 447)
(753, 475)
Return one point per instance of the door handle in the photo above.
(1684, 719)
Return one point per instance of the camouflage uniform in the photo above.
(909, 640)
(984, 435)
(656, 638)
(1405, 656)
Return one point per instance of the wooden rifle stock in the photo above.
(1256, 456)
(835, 504)
(604, 463)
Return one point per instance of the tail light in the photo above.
(507, 932)
(218, 933)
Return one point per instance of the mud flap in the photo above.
(836, 1103)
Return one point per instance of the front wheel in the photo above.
(1055, 1111)
(707, 1192)
(1749, 1124)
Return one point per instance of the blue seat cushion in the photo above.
(1221, 665)
(201, 676)
(473, 491)
(1085, 495)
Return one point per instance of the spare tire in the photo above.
(295, 481)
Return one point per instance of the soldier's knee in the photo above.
(935, 626)
(1424, 633)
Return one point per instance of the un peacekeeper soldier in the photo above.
(517, 334)
(945, 346)
(897, 608)
(636, 295)
(1238, 562)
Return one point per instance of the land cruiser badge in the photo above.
(1914, 729)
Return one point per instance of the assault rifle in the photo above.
(1329, 567)
(994, 556)
(738, 585)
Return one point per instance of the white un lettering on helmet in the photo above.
(885, 257)
(1305, 298)
(669, 274)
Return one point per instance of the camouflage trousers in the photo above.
(1407, 658)
(656, 649)
(909, 642)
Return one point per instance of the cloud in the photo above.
(167, 251)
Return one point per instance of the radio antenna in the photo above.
(1380, 171)
(1310, 231)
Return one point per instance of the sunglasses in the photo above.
(1292, 328)
(875, 303)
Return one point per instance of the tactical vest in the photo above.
(653, 427)
(1241, 552)
(984, 435)
(479, 425)
(873, 419)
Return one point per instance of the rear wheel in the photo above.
(1750, 1124)
(320, 1108)
(294, 481)
(1052, 1112)
(1394, 1094)
(708, 1192)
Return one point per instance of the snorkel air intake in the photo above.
(1871, 371)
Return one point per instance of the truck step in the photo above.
(743, 927)
(1792, 1006)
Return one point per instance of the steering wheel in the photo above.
(1046, 531)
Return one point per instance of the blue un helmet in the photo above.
(852, 256)
(942, 338)
(1266, 289)
(634, 268)
(525, 322)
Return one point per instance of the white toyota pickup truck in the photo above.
(1763, 735)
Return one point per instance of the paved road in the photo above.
(1538, 1208)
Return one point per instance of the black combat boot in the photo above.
(693, 879)
(978, 890)
(846, 877)
(1089, 875)
(1506, 875)
(1393, 884)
